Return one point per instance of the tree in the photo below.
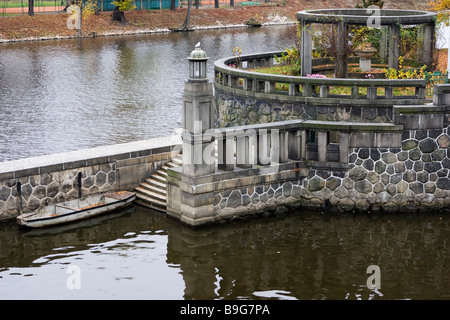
(172, 5)
(216, 3)
(440, 6)
(369, 3)
(119, 11)
(31, 7)
(186, 24)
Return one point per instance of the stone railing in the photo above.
(300, 140)
(240, 81)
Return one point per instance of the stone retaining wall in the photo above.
(413, 178)
(235, 110)
(28, 184)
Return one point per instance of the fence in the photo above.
(435, 78)
(20, 7)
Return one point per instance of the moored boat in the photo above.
(77, 209)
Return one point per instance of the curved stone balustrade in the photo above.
(309, 90)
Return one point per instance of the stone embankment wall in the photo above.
(413, 177)
(28, 184)
(235, 110)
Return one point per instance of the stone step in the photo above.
(155, 183)
(172, 164)
(151, 203)
(159, 178)
(162, 173)
(177, 161)
(150, 194)
(152, 188)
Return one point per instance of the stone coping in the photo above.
(288, 125)
(86, 157)
(361, 16)
(421, 109)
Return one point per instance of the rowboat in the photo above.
(75, 210)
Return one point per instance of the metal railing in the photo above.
(435, 78)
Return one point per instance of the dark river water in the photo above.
(71, 94)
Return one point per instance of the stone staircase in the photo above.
(152, 192)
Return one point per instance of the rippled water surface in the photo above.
(140, 254)
(65, 95)
(72, 94)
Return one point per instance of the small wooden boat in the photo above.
(75, 210)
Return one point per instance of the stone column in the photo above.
(306, 49)
(429, 39)
(341, 48)
(198, 142)
(394, 45)
(384, 43)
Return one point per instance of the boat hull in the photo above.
(70, 213)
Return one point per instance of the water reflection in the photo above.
(140, 254)
(66, 95)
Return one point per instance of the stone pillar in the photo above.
(306, 49)
(198, 120)
(341, 48)
(394, 45)
(365, 64)
(429, 39)
(384, 43)
(184, 201)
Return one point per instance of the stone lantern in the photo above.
(197, 64)
(198, 118)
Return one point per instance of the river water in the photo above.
(71, 94)
(68, 95)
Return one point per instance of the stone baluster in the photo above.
(322, 143)
(296, 141)
(293, 89)
(225, 153)
(389, 92)
(343, 147)
(247, 84)
(245, 148)
(324, 91)
(371, 93)
(263, 148)
(269, 87)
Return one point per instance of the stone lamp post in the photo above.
(187, 201)
(198, 118)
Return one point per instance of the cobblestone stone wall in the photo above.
(54, 187)
(271, 197)
(28, 184)
(413, 178)
(237, 111)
